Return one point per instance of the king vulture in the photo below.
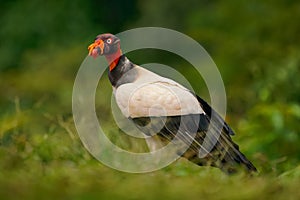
(138, 91)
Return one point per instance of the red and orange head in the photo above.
(105, 44)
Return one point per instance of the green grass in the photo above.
(43, 158)
(54, 164)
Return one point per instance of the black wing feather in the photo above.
(219, 120)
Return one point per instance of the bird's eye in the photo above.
(108, 41)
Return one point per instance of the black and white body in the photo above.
(162, 107)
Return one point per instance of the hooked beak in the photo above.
(96, 48)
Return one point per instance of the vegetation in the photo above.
(255, 45)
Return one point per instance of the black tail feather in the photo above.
(233, 160)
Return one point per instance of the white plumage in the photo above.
(153, 95)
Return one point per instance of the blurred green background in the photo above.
(255, 44)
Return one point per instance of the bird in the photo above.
(161, 107)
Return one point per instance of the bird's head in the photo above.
(105, 44)
(108, 45)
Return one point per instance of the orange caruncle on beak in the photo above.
(93, 48)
